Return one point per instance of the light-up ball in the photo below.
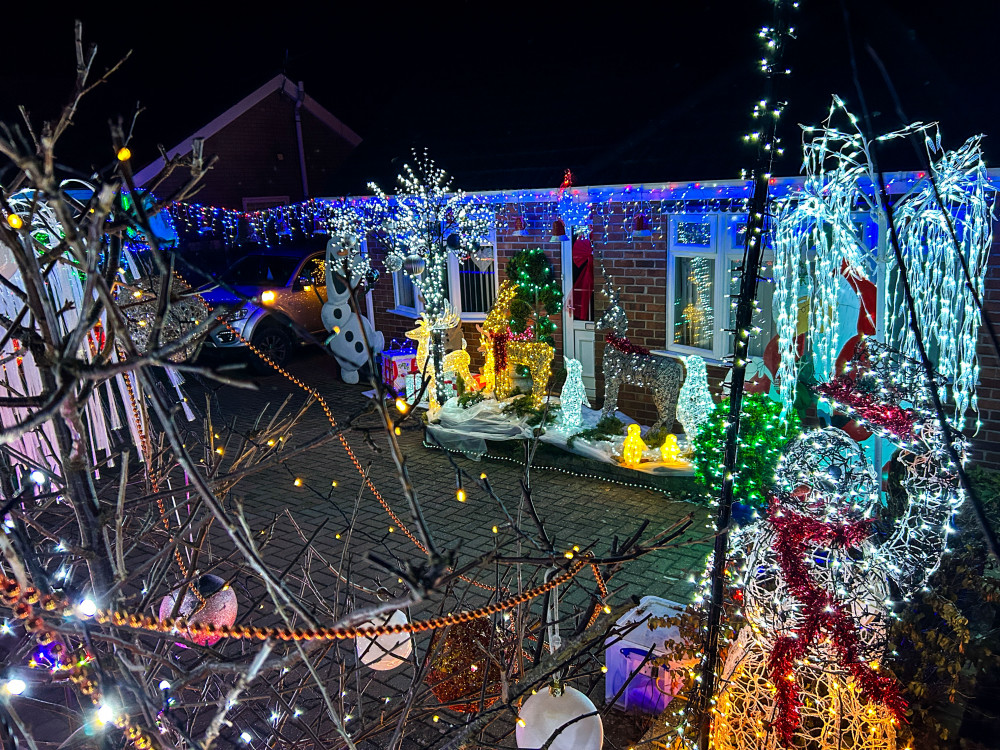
(15, 221)
(385, 652)
(219, 609)
(414, 265)
(393, 263)
(544, 713)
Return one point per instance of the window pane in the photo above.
(477, 285)
(763, 319)
(694, 314)
(315, 271)
(405, 296)
(693, 233)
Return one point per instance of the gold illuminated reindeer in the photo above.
(456, 361)
(502, 350)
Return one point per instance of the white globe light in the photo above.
(87, 608)
(544, 713)
(385, 652)
(16, 686)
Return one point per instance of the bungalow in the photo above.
(674, 249)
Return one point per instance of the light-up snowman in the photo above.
(347, 342)
(816, 585)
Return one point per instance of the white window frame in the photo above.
(675, 251)
(454, 289)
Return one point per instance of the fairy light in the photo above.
(633, 447)
(820, 220)
(502, 349)
(573, 397)
(424, 223)
(694, 403)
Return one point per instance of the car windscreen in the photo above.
(261, 270)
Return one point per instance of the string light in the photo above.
(816, 229)
(573, 397)
(694, 403)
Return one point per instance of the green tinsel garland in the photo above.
(763, 436)
(539, 294)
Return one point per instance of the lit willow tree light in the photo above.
(425, 222)
(818, 240)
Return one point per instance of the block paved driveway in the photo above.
(575, 510)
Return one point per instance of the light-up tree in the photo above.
(425, 222)
(141, 607)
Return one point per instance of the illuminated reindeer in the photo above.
(629, 363)
(456, 361)
(502, 349)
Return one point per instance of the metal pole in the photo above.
(757, 226)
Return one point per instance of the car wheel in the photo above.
(275, 344)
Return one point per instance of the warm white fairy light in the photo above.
(426, 221)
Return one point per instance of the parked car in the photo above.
(265, 292)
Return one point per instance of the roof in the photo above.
(278, 83)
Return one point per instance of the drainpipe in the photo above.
(298, 135)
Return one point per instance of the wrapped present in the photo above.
(396, 365)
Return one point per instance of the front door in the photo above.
(578, 307)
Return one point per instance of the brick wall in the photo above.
(639, 270)
(259, 156)
(986, 445)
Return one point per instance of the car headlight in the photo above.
(239, 314)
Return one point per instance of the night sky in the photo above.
(508, 95)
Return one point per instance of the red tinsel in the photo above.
(869, 407)
(794, 534)
(499, 341)
(622, 344)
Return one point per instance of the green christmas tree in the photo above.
(539, 296)
(764, 433)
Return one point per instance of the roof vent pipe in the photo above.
(299, 99)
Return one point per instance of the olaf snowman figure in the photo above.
(347, 341)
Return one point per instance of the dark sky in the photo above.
(508, 95)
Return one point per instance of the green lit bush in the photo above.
(764, 433)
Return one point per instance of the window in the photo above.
(694, 302)
(705, 260)
(693, 267)
(471, 286)
(477, 284)
(315, 270)
(406, 293)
